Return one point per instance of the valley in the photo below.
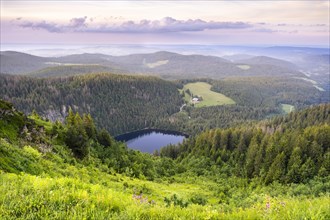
(165, 110)
(256, 143)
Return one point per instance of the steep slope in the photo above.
(42, 177)
(286, 149)
(118, 103)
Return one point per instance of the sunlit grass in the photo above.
(25, 196)
(287, 108)
(210, 98)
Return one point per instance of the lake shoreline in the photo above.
(148, 140)
(144, 130)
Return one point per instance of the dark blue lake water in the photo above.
(149, 140)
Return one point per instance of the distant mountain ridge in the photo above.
(164, 64)
(263, 60)
(12, 62)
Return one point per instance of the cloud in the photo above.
(164, 25)
(75, 25)
(43, 25)
(78, 22)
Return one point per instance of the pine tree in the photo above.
(89, 126)
(294, 164)
(277, 169)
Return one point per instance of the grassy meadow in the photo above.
(210, 98)
(287, 108)
(95, 195)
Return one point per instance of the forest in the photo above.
(272, 169)
(118, 103)
(123, 103)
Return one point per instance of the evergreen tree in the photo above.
(294, 165)
(277, 169)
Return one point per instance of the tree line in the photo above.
(289, 149)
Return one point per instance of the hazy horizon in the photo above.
(275, 23)
(53, 50)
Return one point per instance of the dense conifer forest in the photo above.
(118, 103)
(122, 103)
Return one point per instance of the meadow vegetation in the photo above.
(207, 97)
(287, 108)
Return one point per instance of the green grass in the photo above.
(47, 187)
(23, 196)
(287, 108)
(244, 67)
(210, 98)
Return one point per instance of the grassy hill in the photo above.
(43, 178)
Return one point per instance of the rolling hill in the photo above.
(263, 60)
(164, 64)
(12, 62)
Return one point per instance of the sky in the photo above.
(224, 22)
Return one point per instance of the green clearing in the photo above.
(210, 98)
(244, 67)
(287, 108)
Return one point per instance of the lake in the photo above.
(149, 140)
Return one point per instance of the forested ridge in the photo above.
(292, 148)
(270, 91)
(256, 98)
(123, 103)
(118, 103)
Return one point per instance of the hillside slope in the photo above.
(44, 177)
(293, 148)
(118, 103)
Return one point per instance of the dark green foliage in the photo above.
(198, 199)
(104, 138)
(118, 103)
(176, 201)
(269, 91)
(287, 149)
(78, 137)
(196, 120)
